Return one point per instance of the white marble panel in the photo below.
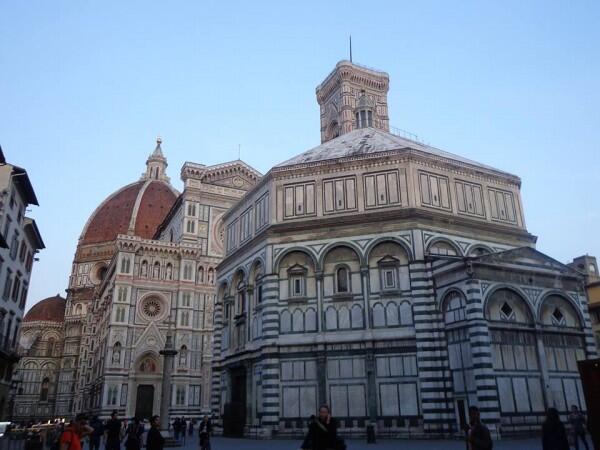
(388, 396)
(409, 403)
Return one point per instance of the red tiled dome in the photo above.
(113, 216)
(51, 309)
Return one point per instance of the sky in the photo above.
(85, 88)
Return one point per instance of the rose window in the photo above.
(152, 308)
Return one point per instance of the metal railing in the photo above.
(407, 135)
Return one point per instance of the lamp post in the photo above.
(168, 353)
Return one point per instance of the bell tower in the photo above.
(352, 97)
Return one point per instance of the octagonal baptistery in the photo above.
(340, 263)
(40, 350)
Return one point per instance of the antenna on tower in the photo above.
(239, 152)
(350, 48)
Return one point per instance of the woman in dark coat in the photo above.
(554, 436)
(322, 432)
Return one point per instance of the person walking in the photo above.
(191, 427)
(96, 435)
(133, 441)
(578, 423)
(154, 440)
(554, 436)
(77, 429)
(204, 430)
(322, 433)
(478, 435)
(176, 428)
(114, 432)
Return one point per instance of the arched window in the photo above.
(44, 392)
(297, 281)
(342, 280)
(201, 274)
(183, 352)
(241, 298)
(156, 270)
(50, 347)
(364, 111)
(454, 307)
(144, 269)
(78, 309)
(125, 265)
(442, 248)
(479, 251)
(505, 305)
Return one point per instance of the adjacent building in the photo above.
(144, 268)
(20, 241)
(588, 266)
(40, 350)
(394, 281)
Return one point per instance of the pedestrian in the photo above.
(176, 428)
(578, 422)
(191, 427)
(554, 436)
(77, 429)
(135, 430)
(154, 440)
(478, 435)
(322, 433)
(114, 432)
(96, 435)
(204, 430)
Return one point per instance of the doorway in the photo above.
(461, 409)
(144, 401)
(234, 415)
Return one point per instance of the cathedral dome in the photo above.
(136, 209)
(51, 309)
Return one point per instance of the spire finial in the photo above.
(158, 140)
(350, 48)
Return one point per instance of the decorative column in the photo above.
(168, 353)
(320, 317)
(364, 274)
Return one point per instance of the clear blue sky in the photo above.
(86, 86)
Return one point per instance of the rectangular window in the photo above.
(382, 189)
(23, 297)
(297, 282)
(246, 225)
(261, 215)
(339, 195)
(191, 210)
(16, 289)
(180, 395)
(502, 206)
(389, 278)
(186, 299)
(232, 241)
(191, 226)
(469, 198)
(434, 191)
(299, 200)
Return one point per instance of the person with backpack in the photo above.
(322, 433)
(478, 435)
(114, 432)
(135, 430)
